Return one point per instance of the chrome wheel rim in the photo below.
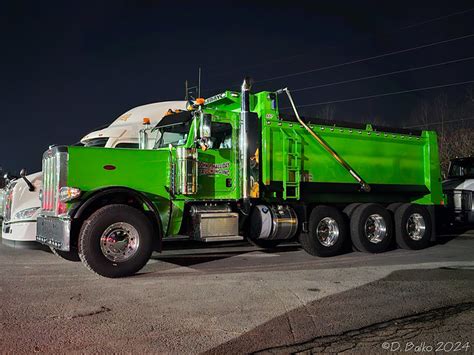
(119, 242)
(327, 231)
(416, 226)
(375, 228)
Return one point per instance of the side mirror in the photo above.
(205, 126)
(143, 134)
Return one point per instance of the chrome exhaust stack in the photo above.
(244, 139)
(250, 138)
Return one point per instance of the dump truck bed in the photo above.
(392, 161)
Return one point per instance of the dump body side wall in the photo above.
(398, 167)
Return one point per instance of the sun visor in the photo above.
(175, 118)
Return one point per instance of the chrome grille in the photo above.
(54, 177)
(3, 193)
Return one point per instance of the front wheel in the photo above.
(116, 241)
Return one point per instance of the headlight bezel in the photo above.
(26, 213)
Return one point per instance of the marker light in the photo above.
(200, 101)
(146, 120)
(67, 193)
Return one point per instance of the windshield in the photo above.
(175, 135)
(461, 169)
(96, 142)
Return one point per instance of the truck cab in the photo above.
(22, 204)
(459, 188)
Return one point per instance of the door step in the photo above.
(222, 238)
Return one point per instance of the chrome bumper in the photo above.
(54, 231)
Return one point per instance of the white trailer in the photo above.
(21, 203)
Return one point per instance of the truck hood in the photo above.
(22, 197)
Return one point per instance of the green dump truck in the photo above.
(233, 167)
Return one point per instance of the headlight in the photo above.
(26, 213)
(67, 193)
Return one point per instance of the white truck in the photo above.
(21, 203)
(459, 189)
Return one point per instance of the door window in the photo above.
(221, 136)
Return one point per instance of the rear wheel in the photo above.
(413, 226)
(394, 206)
(349, 209)
(327, 232)
(71, 255)
(371, 228)
(116, 241)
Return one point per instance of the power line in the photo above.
(437, 19)
(384, 74)
(417, 24)
(441, 122)
(385, 94)
(366, 59)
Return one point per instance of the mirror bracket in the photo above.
(31, 187)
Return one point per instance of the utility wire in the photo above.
(385, 94)
(417, 24)
(366, 59)
(437, 19)
(383, 74)
(441, 122)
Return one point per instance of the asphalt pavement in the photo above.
(240, 299)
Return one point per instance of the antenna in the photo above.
(186, 90)
(199, 82)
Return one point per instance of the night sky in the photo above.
(69, 67)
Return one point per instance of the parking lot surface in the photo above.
(238, 298)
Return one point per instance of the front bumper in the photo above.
(464, 217)
(54, 231)
(459, 217)
(20, 234)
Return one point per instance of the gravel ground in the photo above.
(235, 299)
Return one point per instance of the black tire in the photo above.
(90, 250)
(310, 241)
(349, 209)
(71, 255)
(359, 237)
(264, 244)
(394, 206)
(402, 236)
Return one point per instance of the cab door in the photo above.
(217, 168)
